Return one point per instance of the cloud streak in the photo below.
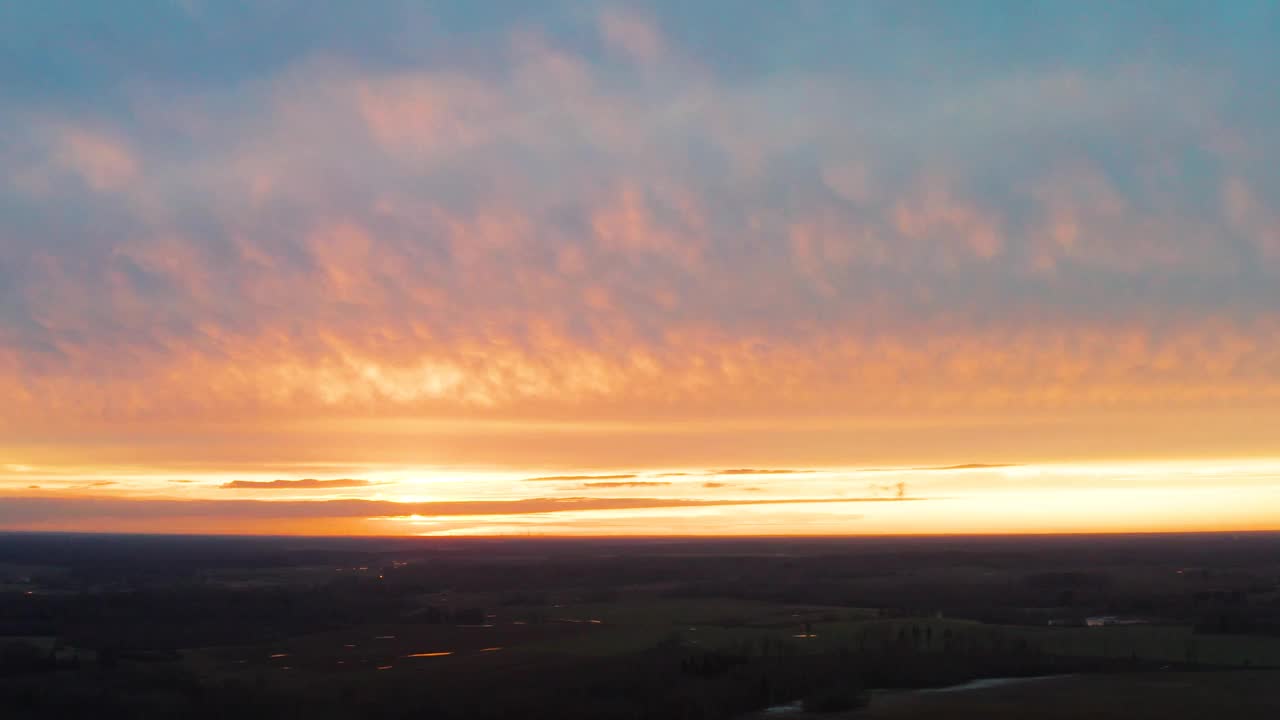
(23, 510)
(566, 478)
(303, 484)
(759, 471)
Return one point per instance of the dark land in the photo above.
(1145, 626)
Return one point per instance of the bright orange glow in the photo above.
(1124, 496)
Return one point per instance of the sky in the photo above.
(597, 268)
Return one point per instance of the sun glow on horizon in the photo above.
(963, 498)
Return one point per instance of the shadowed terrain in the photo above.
(1120, 626)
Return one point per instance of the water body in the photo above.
(985, 683)
(797, 707)
(790, 708)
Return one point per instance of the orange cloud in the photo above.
(303, 484)
(394, 367)
(24, 512)
(561, 478)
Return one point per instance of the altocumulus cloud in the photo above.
(633, 214)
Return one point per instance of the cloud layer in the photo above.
(527, 227)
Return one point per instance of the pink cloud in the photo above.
(935, 215)
(626, 223)
(1259, 224)
(103, 161)
(425, 113)
(1085, 218)
(632, 35)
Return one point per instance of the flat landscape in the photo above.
(1121, 696)
(1099, 626)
